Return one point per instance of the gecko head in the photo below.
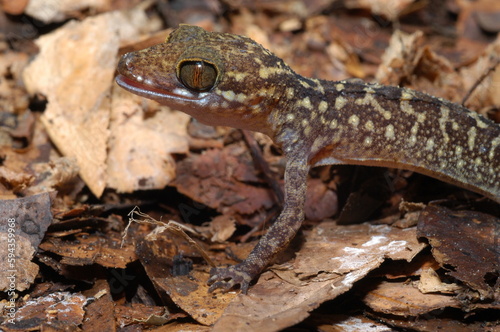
(217, 78)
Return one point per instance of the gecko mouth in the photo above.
(152, 92)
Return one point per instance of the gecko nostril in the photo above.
(127, 64)
(123, 64)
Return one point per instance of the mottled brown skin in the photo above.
(236, 82)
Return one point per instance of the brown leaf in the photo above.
(321, 202)
(331, 259)
(90, 249)
(137, 312)
(100, 313)
(209, 178)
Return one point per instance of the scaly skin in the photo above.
(229, 80)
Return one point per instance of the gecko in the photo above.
(230, 80)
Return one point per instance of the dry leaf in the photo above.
(331, 259)
(91, 249)
(57, 310)
(404, 299)
(140, 149)
(387, 8)
(26, 221)
(84, 56)
(431, 283)
(464, 242)
(49, 11)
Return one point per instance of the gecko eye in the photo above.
(197, 75)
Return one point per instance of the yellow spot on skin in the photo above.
(421, 117)
(413, 140)
(369, 89)
(305, 123)
(304, 84)
(494, 145)
(368, 141)
(290, 117)
(406, 95)
(471, 140)
(339, 86)
(255, 109)
(460, 163)
(318, 144)
(389, 132)
(454, 126)
(406, 107)
(238, 75)
(266, 72)
(479, 121)
(319, 86)
(267, 92)
(307, 130)
(340, 102)
(228, 95)
(240, 97)
(323, 106)
(354, 120)
(370, 100)
(430, 144)
(290, 93)
(306, 103)
(443, 119)
(458, 150)
(333, 124)
(369, 125)
(478, 161)
(414, 129)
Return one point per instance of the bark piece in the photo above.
(23, 226)
(466, 244)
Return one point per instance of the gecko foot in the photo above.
(226, 278)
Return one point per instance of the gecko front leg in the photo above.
(276, 239)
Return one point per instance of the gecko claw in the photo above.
(228, 277)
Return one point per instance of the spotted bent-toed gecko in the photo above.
(225, 79)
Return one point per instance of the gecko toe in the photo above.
(229, 277)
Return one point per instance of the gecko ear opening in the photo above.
(197, 75)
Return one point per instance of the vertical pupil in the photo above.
(198, 74)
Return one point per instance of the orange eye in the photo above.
(197, 75)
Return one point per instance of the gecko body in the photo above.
(225, 79)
